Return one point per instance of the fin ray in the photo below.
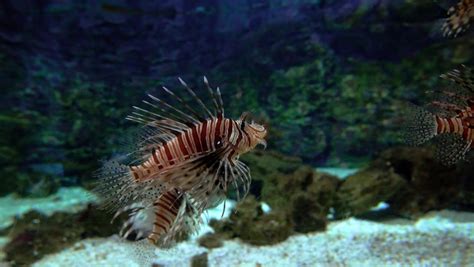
(419, 125)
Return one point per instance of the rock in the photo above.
(277, 178)
(365, 189)
(410, 180)
(300, 199)
(429, 184)
(211, 241)
(251, 225)
(265, 168)
(465, 200)
(199, 260)
(34, 235)
(307, 215)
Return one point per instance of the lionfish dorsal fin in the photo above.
(188, 116)
(215, 96)
(198, 100)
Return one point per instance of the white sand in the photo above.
(438, 239)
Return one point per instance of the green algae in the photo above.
(318, 106)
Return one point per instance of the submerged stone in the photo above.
(409, 180)
(365, 189)
(252, 225)
(35, 235)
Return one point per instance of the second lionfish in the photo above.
(448, 119)
(185, 161)
(459, 18)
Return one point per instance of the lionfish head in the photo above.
(255, 131)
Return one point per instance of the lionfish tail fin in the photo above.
(419, 126)
(114, 184)
(451, 148)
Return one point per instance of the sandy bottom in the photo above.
(439, 239)
(444, 238)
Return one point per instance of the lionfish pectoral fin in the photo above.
(451, 148)
(209, 176)
(419, 125)
(188, 173)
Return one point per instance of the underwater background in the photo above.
(336, 185)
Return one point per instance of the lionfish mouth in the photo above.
(263, 142)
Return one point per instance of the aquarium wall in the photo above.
(329, 77)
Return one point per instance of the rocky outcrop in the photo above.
(35, 235)
(409, 180)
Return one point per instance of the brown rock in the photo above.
(365, 189)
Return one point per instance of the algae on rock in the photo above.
(252, 225)
(35, 235)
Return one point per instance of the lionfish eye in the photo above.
(242, 125)
(218, 141)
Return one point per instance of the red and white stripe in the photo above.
(206, 136)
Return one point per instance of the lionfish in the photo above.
(459, 18)
(448, 120)
(185, 161)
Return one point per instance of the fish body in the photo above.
(184, 162)
(448, 120)
(459, 18)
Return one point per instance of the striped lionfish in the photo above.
(448, 120)
(459, 18)
(185, 161)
